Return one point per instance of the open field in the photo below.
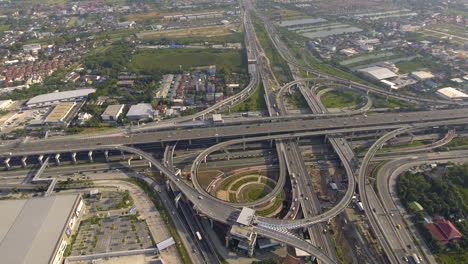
(142, 16)
(208, 31)
(458, 12)
(444, 33)
(171, 60)
(221, 39)
(450, 29)
(72, 22)
(410, 66)
(335, 99)
(382, 102)
(255, 192)
(4, 27)
(286, 13)
(255, 102)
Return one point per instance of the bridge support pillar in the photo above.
(297, 140)
(226, 243)
(326, 138)
(162, 144)
(129, 161)
(90, 156)
(23, 162)
(177, 199)
(217, 139)
(204, 159)
(73, 157)
(122, 154)
(40, 159)
(7, 163)
(106, 155)
(243, 145)
(271, 143)
(211, 223)
(57, 159)
(140, 157)
(190, 142)
(149, 164)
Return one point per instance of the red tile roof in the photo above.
(449, 230)
(444, 231)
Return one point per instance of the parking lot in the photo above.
(106, 201)
(116, 233)
(20, 119)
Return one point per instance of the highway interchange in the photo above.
(285, 133)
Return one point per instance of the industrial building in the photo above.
(38, 230)
(58, 116)
(422, 75)
(57, 97)
(32, 48)
(141, 112)
(451, 94)
(112, 113)
(378, 73)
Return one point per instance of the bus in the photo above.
(198, 235)
(415, 258)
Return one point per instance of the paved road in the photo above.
(386, 184)
(321, 126)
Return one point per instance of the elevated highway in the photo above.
(338, 125)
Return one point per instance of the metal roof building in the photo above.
(141, 112)
(53, 98)
(59, 113)
(422, 75)
(112, 112)
(378, 73)
(33, 230)
(451, 93)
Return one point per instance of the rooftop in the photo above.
(60, 112)
(246, 216)
(30, 229)
(452, 93)
(379, 73)
(422, 75)
(113, 110)
(141, 110)
(58, 96)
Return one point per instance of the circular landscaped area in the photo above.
(249, 186)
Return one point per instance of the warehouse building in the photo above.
(112, 113)
(141, 112)
(422, 75)
(58, 116)
(57, 97)
(38, 230)
(32, 48)
(451, 94)
(377, 73)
